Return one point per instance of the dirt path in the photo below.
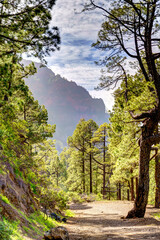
(102, 220)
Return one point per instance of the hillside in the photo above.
(65, 101)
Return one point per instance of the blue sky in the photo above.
(75, 60)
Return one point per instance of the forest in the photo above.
(119, 160)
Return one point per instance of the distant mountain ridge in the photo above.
(65, 101)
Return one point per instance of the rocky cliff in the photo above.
(65, 101)
(17, 192)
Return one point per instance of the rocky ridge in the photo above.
(65, 101)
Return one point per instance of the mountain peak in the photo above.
(65, 101)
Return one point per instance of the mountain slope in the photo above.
(65, 101)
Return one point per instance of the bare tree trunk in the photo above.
(136, 186)
(83, 173)
(157, 180)
(143, 186)
(96, 186)
(104, 181)
(132, 188)
(104, 165)
(128, 195)
(119, 191)
(90, 161)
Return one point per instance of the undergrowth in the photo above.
(157, 216)
(10, 230)
(38, 223)
(4, 199)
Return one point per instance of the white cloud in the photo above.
(75, 60)
(84, 75)
(106, 96)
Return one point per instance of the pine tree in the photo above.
(127, 20)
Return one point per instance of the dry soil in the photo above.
(103, 221)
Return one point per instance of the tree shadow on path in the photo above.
(102, 226)
(78, 206)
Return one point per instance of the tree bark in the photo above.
(104, 165)
(83, 173)
(128, 192)
(143, 185)
(132, 187)
(157, 180)
(148, 138)
(90, 161)
(119, 191)
(136, 186)
(109, 192)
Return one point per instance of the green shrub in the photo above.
(5, 231)
(18, 172)
(39, 219)
(26, 229)
(4, 198)
(69, 213)
(91, 197)
(80, 198)
(75, 197)
(157, 216)
(33, 187)
(62, 199)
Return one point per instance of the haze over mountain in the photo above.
(65, 101)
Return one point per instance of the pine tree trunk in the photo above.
(109, 192)
(128, 192)
(83, 173)
(104, 165)
(96, 186)
(132, 188)
(143, 185)
(157, 180)
(136, 186)
(104, 181)
(90, 160)
(119, 191)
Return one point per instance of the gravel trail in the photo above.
(103, 220)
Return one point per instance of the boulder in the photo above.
(59, 233)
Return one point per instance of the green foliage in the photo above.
(75, 197)
(33, 187)
(4, 199)
(38, 223)
(23, 121)
(89, 163)
(61, 199)
(81, 153)
(27, 230)
(157, 216)
(34, 17)
(10, 231)
(18, 172)
(5, 231)
(69, 213)
(82, 198)
(52, 197)
(41, 220)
